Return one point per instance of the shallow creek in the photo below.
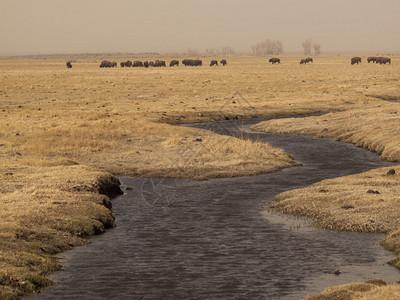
(216, 239)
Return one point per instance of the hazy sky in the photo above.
(76, 26)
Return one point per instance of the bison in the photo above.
(126, 64)
(108, 64)
(69, 65)
(192, 62)
(187, 62)
(372, 58)
(223, 62)
(214, 63)
(306, 60)
(174, 63)
(146, 64)
(137, 64)
(383, 60)
(159, 63)
(274, 60)
(356, 60)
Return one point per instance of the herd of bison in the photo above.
(159, 63)
(197, 62)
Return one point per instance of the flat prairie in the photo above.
(65, 134)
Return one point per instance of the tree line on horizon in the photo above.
(263, 48)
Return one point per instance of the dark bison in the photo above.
(383, 60)
(174, 63)
(126, 64)
(223, 62)
(306, 60)
(159, 63)
(69, 65)
(214, 63)
(108, 64)
(146, 64)
(356, 60)
(274, 60)
(372, 58)
(137, 64)
(151, 64)
(192, 62)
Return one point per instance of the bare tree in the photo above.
(210, 51)
(278, 47)
(192, 52)
(227, 50)
(267, 47)
(307, 46)
(317, 48)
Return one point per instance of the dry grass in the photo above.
(62, 131)
(372, 289)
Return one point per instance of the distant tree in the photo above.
(210, 51)
(317, 48)
(227, 50)
(267, 47)
(193, 52)
(307, 46)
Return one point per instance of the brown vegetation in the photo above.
(64, 130)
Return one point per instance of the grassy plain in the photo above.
(63, 132)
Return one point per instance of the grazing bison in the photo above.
(372, 58)
(146, 64)
(356, 60)
(383, 60)
(151, 64)
(192, 62)
(274, 60)
(108, 64)
(126, 64)
(174, 63)
(105, 64)
(187, 62)
(69, 65)
(214, 63)
(159, 63)
(223, 62)
(306, 60)
(137, 64)
(197, 62)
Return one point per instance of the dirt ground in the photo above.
(65, 132)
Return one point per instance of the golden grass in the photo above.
(372, 289)
(62, 132)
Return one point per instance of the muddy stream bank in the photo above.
(215, 239)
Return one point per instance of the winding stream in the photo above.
(215, 239)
